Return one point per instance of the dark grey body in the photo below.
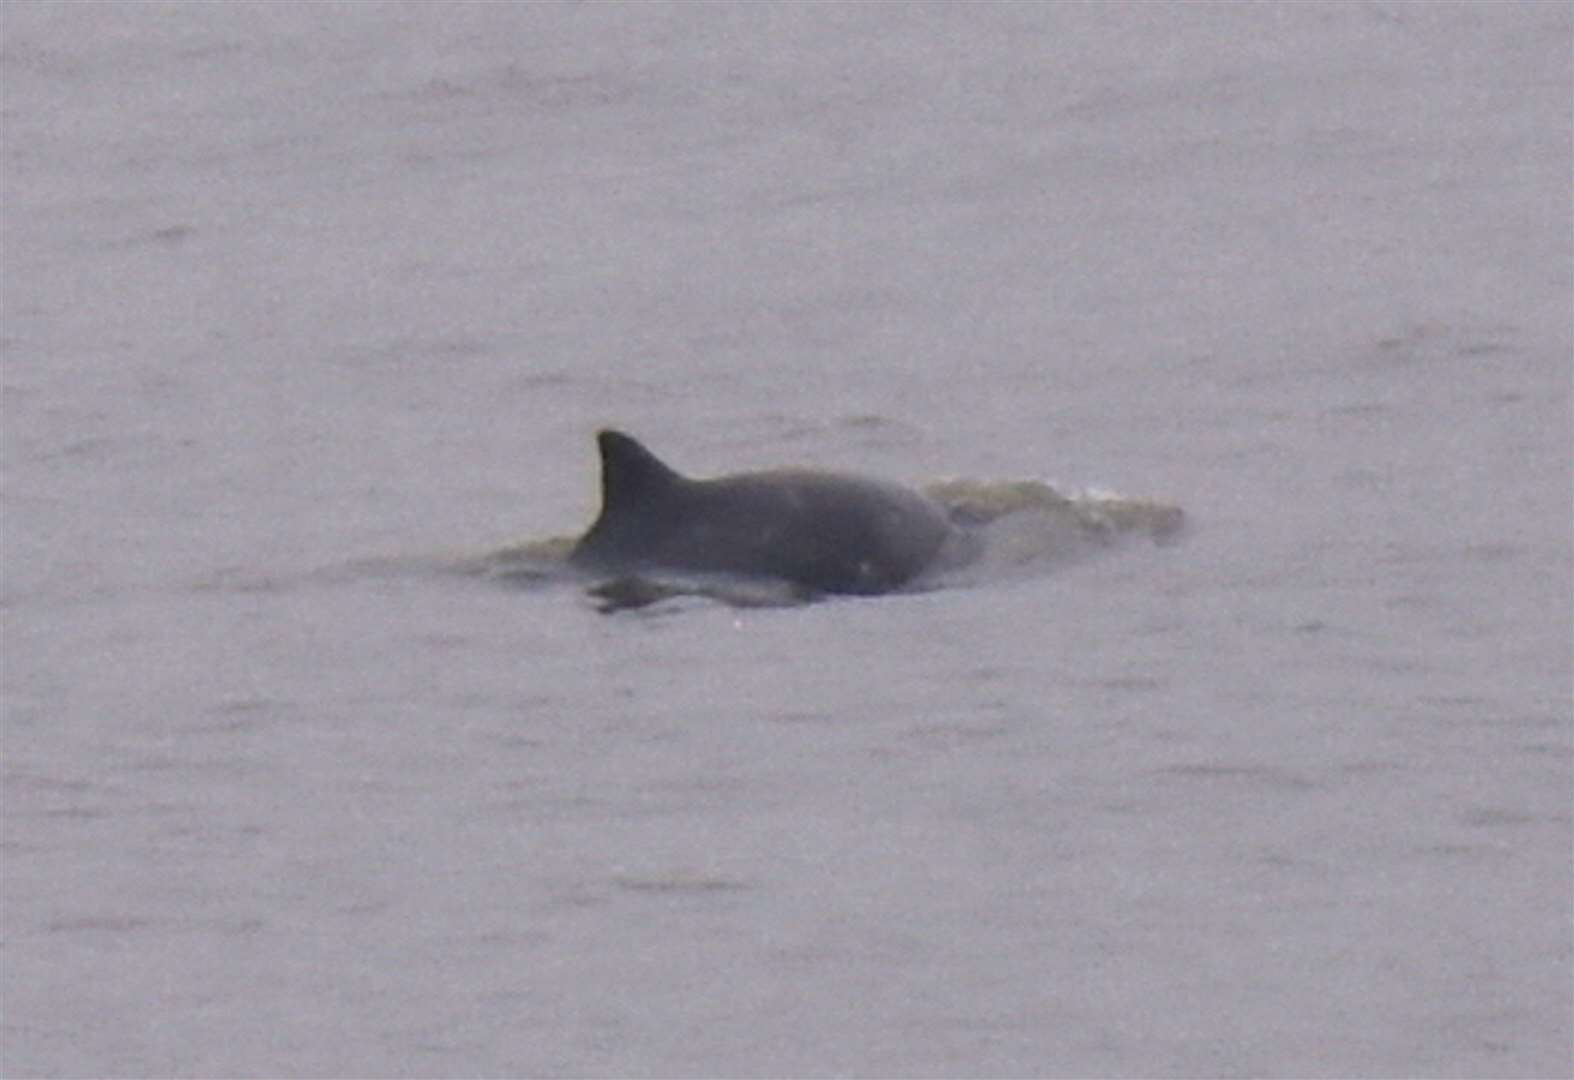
(821, 531)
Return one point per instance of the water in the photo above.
(308, 308)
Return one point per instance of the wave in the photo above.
(1004, 529)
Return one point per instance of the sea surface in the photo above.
(309, 311)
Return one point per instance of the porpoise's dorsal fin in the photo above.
(630, 474)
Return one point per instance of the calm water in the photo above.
(308, 307)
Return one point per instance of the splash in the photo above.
(1017, 526)
(1097, 514)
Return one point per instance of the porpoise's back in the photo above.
(823, 531)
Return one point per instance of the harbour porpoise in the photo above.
(819, 531)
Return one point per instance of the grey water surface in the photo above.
(307, 307)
